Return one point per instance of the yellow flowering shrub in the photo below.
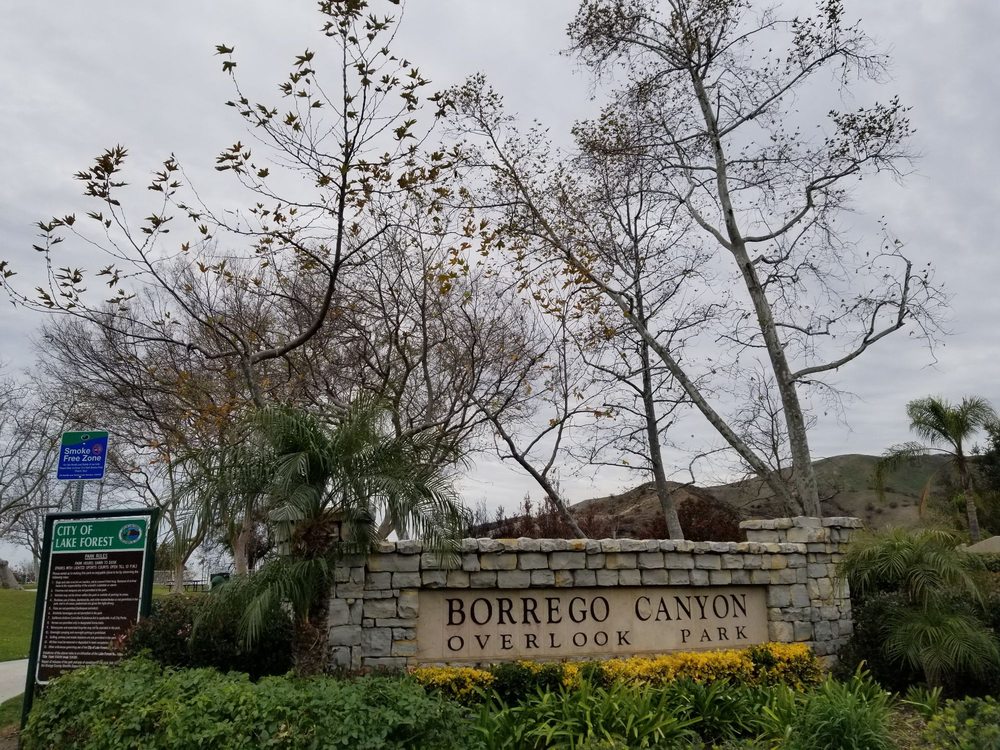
(463, 684)
(700, 666)
(793, 664)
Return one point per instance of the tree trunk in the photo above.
(240, 544)
(803, 473)
(7, 578)
(310, 639)
(663, 493)
(178, 584)
(971, 512)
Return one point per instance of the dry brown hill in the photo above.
(845, 483)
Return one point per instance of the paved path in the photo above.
(12, 674)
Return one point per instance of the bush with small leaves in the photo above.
(969, 724)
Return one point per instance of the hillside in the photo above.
(845, 488)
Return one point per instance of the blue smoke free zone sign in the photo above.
(83, 455)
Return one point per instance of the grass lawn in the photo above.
(10, 712)
(17, 610)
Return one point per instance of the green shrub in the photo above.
(590, 717)
(723, 711)
(515, 681)
(138, 704)
(969, 724)
(202, 631)
(851, 715)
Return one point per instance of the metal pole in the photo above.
(78, 497)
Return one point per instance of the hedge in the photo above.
(792, 664)
(139, 704)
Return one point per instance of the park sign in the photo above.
(95, 583)
(82, 455)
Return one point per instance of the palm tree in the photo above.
(947, 429)
(320, 481)
(932, 631)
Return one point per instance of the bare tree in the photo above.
(30, 428)
(356, 142)
(708, 98)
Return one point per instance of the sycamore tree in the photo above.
(333, 162)
(708, 94)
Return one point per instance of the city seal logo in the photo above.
(130, 533)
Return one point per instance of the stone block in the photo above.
(699, 577)
(678, 561)
(483, 579)
(741, 577)
(634, 545)
(345, 635)
(820, 589)
(800, 595)
(779, 596)
(720, 577)
(708, 562)
(629, 578)
(543, 578)
(619, 560)
(679, 577)
(435, 579)
(340, 657)
(380, 608)
(552, 545)
(782, 632)
(403, 634)
(407, 647)
(435, 561)
(514, 579)
(378, 581)
(407, 604)
(394, 563)
(595, 560)
(568, 561)
(732, 562)
(655, 577)
(527, 544)
(760, 576)
(532, 560)
(786, 576)
(584, 577)
(407, 580)
(340, 613)
(498, 561)
(650, 560)
(563, 578)
(775, 562)
(803, 631)
(611, 545)
(470, 562)
(607, 577)
(490, 545)
(409, 547)
(458, 579)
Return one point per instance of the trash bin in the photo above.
(217, 579)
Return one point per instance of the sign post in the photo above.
(95, 582)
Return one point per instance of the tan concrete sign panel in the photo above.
(507, 624)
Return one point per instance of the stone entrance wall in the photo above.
(787, 563)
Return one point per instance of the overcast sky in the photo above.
(79, 77)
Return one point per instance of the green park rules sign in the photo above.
(96, 582)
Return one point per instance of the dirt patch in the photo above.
(8, 737)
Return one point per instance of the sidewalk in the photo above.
(12, 674)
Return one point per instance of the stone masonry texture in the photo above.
(374, 604)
